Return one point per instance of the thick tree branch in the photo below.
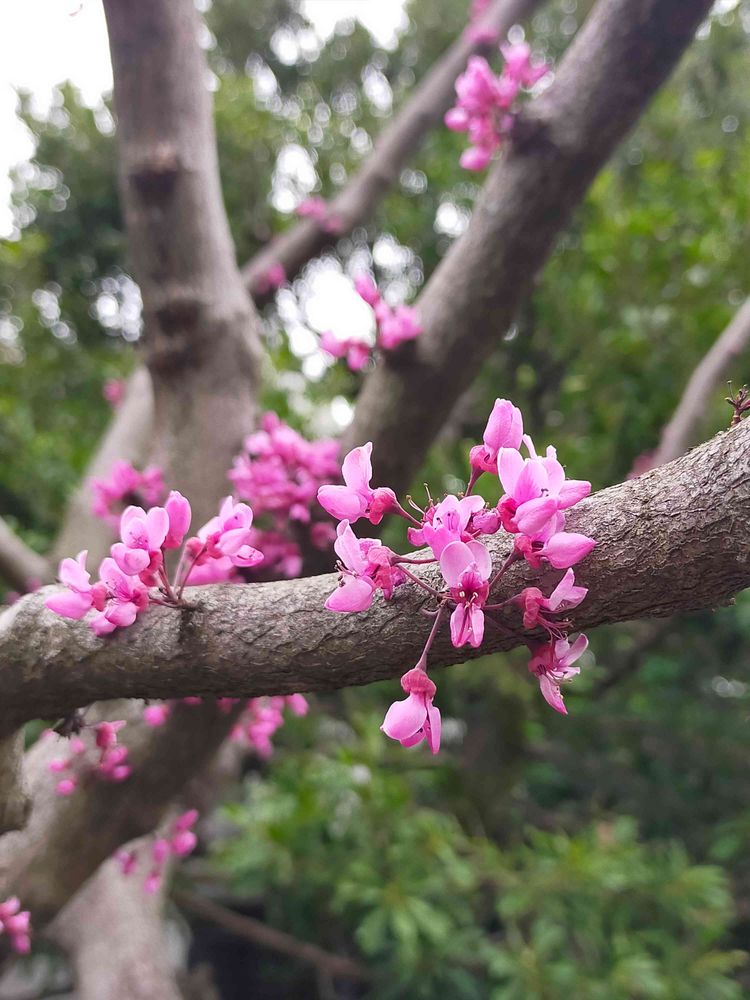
(676, 539)
(128, 437)
(684, 425)
(255, 931)
(114, 933)
(393, 149)
(621, 56)
(20, 566)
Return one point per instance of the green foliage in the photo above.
(344, 853)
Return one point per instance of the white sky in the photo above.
(44, 42)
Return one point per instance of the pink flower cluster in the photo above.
(179, 841)
(280, 472)
(261, 719)
(531, 511)
(16, 923)
(317, 208)
(137, 562)
(394, 327)
(486, 104)
(105, 759)
(124, 486)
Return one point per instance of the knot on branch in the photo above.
(154, 174)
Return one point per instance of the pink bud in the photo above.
(179, 513)
(66, 787)
(184, 842)
(160, 851)
(366, 288)
(152, 884)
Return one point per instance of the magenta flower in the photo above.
(466, 569)
(447, 522)
(143, 534)
(504, 430)
(113, 391)
(396, 325)
(366, 566)
(356, 352)
(561, 549)
(365, 287)
(124, 486)
(179, 515)
(564, 597)
(81, 596)
(518, 65)
(416, 718)
(126, 598)
(230, 535)
(313, 208)
(552, 663)
(16, 923)
(356, 498)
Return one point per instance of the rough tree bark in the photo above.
(202, 343)
(683, 427)
(114, 933)
(621, 56)
(393, 149)
(675, 539)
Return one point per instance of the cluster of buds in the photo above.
(317, 209)
(486, 104)
(279, 473)
(394, 327)
(103, 758)
(179, 841)
(531, 511)
(16, 923)
(136, 565)
(124, 486)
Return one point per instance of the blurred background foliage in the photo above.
(599, 856)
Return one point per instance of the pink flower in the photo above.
(466, 569)
(564, 597)
(297, 703)
(552, 664)
(125, 485)
(81, 595)
(365, 287)
(447, 522)
(356, 352)
(313, 208)
(230, 534)
(416, 718)
(365, 567)
(126, 598)
(561, 550)
(113, 391)
(397, 325)
(16, 923)
(127, 860)
(504, 430)
(273, 277)
(106, 733)
(179, 515)
(518, 65)
(156, 715)
(66, 787)
(356, 499)
(143, 534)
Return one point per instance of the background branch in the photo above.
(618, 60)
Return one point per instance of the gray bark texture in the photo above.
(202, 343)
(393, 149)
(621, 56)
(675, 539)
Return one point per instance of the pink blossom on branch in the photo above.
(356, 498)
(16, 923)
(416, 718)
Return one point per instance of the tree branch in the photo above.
(21, 566)
(336, 966)
(393, 149)
(621, 56)
(681, 430)
(676, 539)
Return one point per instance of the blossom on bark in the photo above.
(356, 498)
(552, 664)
